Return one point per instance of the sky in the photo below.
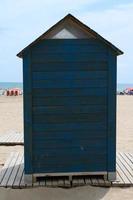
(21, 22)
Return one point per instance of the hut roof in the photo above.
(84, 27)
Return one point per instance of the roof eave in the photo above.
(117, 50)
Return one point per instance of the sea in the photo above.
(123, 86)
(7, 85)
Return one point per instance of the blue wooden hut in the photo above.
(69, 76)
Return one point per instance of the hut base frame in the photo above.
(32, 178)
(111, 176)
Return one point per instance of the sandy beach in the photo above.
(11, 120)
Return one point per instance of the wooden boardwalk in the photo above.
(12, 139)
(12, 175)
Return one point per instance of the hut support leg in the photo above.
(70, 180)
(28, 178)
(105, 177)
(111, 176)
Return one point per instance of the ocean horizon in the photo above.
(7, 85)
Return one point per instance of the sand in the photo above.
(11, 119)
(79, 193)
(125, 123)
(11, 114)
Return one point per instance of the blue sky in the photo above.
(23, 21)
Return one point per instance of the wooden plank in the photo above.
(36, 183)
(9, 170)
(94, 181)
(76, 100)
(19, 174)
(49, 163)
(3, 138)
(54, 182)
(94, 135)
(127, 164)
(88, 180)
(69, 127)
(5, 167)
(68, 43)
(67, 182)
(18, 138)
(60, 181)
(14, 171)
(59, 145)
(121, 173)
(12, 175)
(43, 183)
(83, 48)
(118, 178)
(22, 139)
(67, 109)
(75, 181)
(101, 182)
(73, 57)
(70, 84)
(63, 118)
(22, 183)
(61, 135)
(8, 138)
(130, 158)
(11, 138)
(67, 67)
(81, 181)
(118, 182)
(27, 70)
(49, 182)
(50, 50)
(107, 183)
(62, 51)
(73, 75)
(111, 134)
(15, 138)
(78, 181)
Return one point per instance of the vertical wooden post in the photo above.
(27, 83)
(111, 136)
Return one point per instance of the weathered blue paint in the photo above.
(69, 106)
(27, 87)
(111, 112)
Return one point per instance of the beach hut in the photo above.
(69, 76)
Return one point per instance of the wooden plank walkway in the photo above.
(12, 175)
(12, 139)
